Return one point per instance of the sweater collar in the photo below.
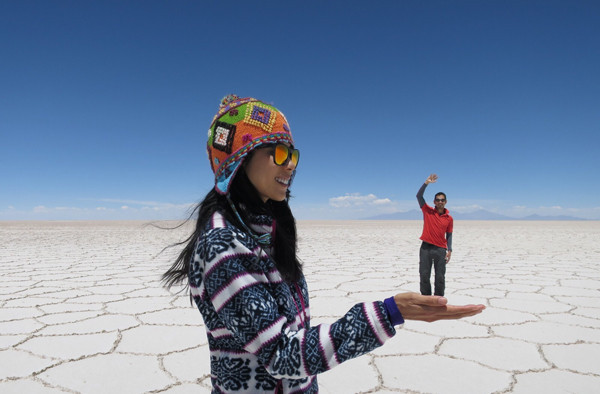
(260, 224)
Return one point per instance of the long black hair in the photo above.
(241, 192)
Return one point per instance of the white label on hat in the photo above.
(221, 136)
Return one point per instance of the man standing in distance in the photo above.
(436, 248)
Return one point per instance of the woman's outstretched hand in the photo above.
(415, 306)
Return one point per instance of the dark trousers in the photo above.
(431, 255)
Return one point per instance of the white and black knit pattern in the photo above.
(258, 325)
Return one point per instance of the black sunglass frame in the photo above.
(290, 152)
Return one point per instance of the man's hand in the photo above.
(448, 255)
(431, 179)
(415, 306)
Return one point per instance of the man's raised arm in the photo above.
(431, 179)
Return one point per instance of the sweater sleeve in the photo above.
(240, 288)
(420, 193)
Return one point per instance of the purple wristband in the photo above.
(393, 311)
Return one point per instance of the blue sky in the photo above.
(105, 105)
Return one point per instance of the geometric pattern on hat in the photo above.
(224, 134)
(260, 115)
(230, 102)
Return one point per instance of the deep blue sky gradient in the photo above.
(105, 105)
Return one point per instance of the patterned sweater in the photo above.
(258, 325)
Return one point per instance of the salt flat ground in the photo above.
(82, 309)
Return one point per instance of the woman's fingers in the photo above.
(414, 306)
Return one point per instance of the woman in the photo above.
(246, 279)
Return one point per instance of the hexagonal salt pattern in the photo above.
(82, 309)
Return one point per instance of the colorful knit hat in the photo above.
(241, 125)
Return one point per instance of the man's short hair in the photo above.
(441, 194)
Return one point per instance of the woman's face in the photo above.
(270, 180)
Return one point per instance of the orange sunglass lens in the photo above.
(281, 154)
(295, 156)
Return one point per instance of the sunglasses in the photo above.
(440, 199)
(282, 154)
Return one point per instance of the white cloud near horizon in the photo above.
(358, 200)
(122, 210)
(357, 205)
(466, 208)
(127, 202)
(348, 206)
(353, 206)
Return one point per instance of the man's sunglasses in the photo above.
(440, 199)
(282, 154)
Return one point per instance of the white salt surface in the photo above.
(82, 309)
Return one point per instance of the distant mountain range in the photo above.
(480, 214)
